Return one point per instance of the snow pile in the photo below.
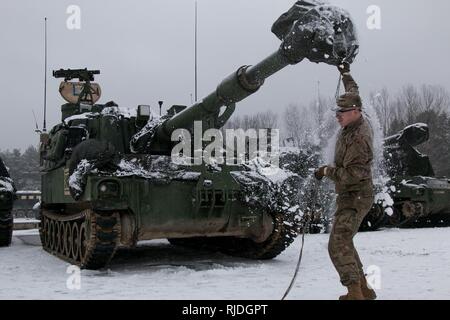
(142, 140)
(269, 189)
(421, 126)
(6, 185)
(385, 200)
(37, 206)
(26, 221)
(213, 165)
(28, 192)
(83, 116)
(158, 169)
(119, 112)
(130, 168)
(260, 167)
(77, 181)
(299, 161)
(410, 184)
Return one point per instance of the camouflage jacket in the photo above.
(353, 159)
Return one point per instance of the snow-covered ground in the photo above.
(25, 220)
(414, 264)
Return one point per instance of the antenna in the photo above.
(36, 123)
(196, 64)
(44, 128)
(160, 107)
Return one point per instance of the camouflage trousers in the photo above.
(351, 211)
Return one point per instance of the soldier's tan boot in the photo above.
(367, 292)
(354, 292)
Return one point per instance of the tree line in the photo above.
(313, 124)
(23, 167)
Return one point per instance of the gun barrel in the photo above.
(413, 135)
(235, 88)
(267, 67)
(81, 74)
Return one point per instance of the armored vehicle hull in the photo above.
(6, 218)
(120, 209)
(421, 202)
(419, 199)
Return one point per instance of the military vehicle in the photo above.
(419, 198)
(108, 179)
(6, 204)
(25, 204)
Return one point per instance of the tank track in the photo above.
(88, 239)
(374, 220)
(283, 235)
(6, 229)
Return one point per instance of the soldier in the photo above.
(352, 175)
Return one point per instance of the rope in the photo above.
(338, 90)
(305, 226)
(316, 192)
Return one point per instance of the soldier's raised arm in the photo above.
(349, 83)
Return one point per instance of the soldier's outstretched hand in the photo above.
(320, 173)
(344, 67)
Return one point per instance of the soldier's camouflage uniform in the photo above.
(352, 175)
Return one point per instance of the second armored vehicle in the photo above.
(419, 198)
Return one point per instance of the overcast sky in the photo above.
(145, 51)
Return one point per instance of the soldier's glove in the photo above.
(321, 172)
(344, 67)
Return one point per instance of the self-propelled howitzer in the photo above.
(108, 180)
(419, 198)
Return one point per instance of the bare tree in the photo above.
(292, 124)
(434, 98)
(261, 120)
(383, 107)
(410, 103)
(267, 120)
